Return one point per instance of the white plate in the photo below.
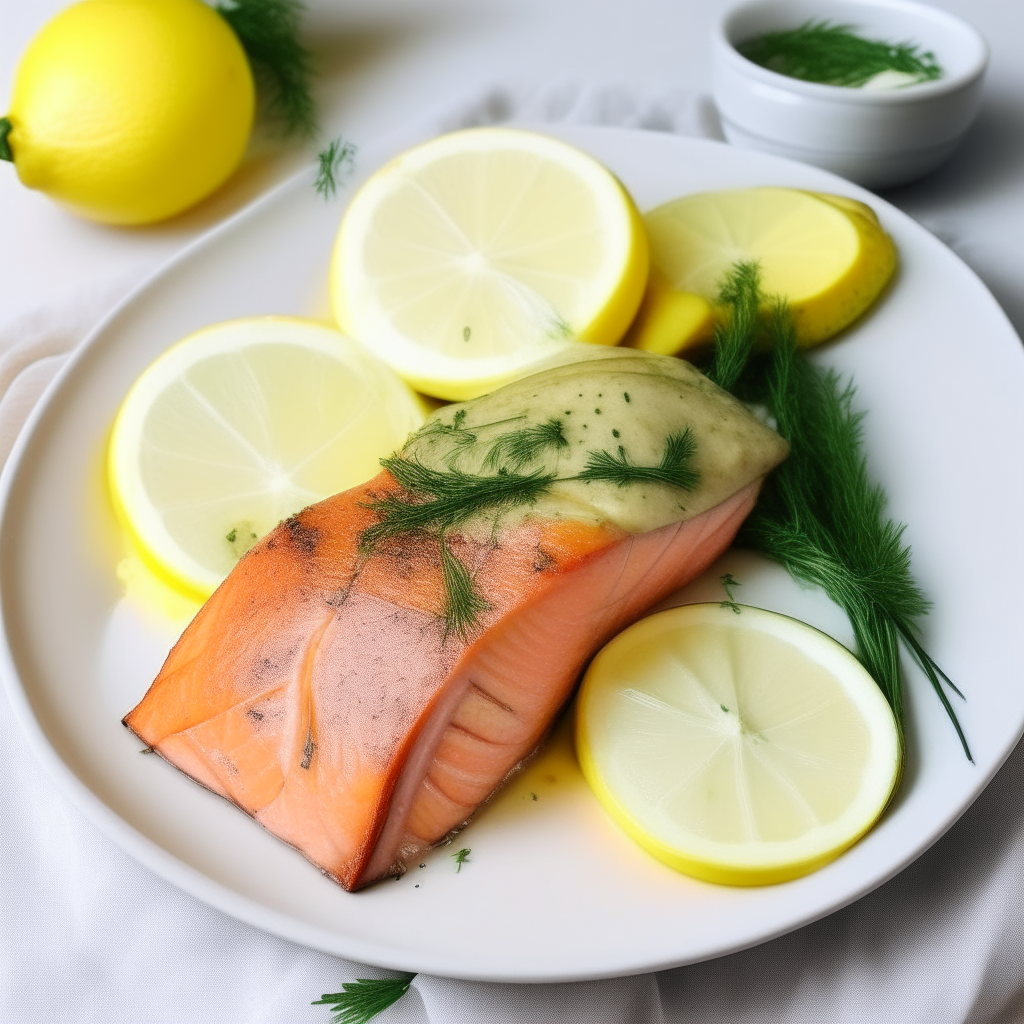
(552, 891)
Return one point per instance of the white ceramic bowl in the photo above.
(876, 138)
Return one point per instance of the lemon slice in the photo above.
(826, 255)
(239, 426)
(468, 259)
(744, 749)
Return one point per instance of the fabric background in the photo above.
(87, 934)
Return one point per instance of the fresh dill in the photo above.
(269, 33)
(734, 341)
(819, 51)
(455, 434)
(675, 467)
(463, 604)
(361, 1000)
(434, 502)
(440, 500)
(821, 517)
(729, 583)
(336, 164)
(461, 856)
(515, 449)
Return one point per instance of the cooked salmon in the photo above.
(324, 688)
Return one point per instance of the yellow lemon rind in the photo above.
(818, 316)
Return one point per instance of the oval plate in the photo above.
(552, 891)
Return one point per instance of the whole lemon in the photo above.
(129, 111)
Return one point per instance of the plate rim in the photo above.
(219, 895)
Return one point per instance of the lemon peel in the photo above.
(827, 256)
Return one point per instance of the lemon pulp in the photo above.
(827, 256)
(744, 749)
(130, 111)
(468, 259)
(241, 425)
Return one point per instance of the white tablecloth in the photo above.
(86, 934)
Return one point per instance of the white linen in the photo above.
(88, 935)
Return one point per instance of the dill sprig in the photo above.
(336, 164)
(463, 604)
(729, 583)
(439, 500)
(515, 449)
(821, 517)
(461, 856)
(436, 501)
(819, 51)
(361, 1000)
(675, 467)
(734, 341)
(454, 434)
(269, 33)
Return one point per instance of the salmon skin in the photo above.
(374, 669)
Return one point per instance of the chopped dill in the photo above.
(819, 51)
(674, 468)
(740, 296)
(269, 33)
(433, 502)
(517, 448)
(461, 857)
(440, 500)
(729, 582)
(819, 515)
(336, 165)
(361, 1000)
(463, 604)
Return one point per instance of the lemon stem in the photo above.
(5, 148)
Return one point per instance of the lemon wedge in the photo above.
(828, 256)
(744, 749)
(468, 259)
(239, 426)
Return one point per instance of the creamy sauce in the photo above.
(618, 401)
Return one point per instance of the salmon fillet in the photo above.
(321, 690)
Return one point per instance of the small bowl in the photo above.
(875, 138)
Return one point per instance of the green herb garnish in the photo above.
(734, 341)
(819, 51)
(515, 449)
(729, 582)
(269, 32)
(819, 515)
(361, 1000)
(437, 501)
(675, 466)
(5, 146)
(461, 856)
(463, 604)
(336, 165)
